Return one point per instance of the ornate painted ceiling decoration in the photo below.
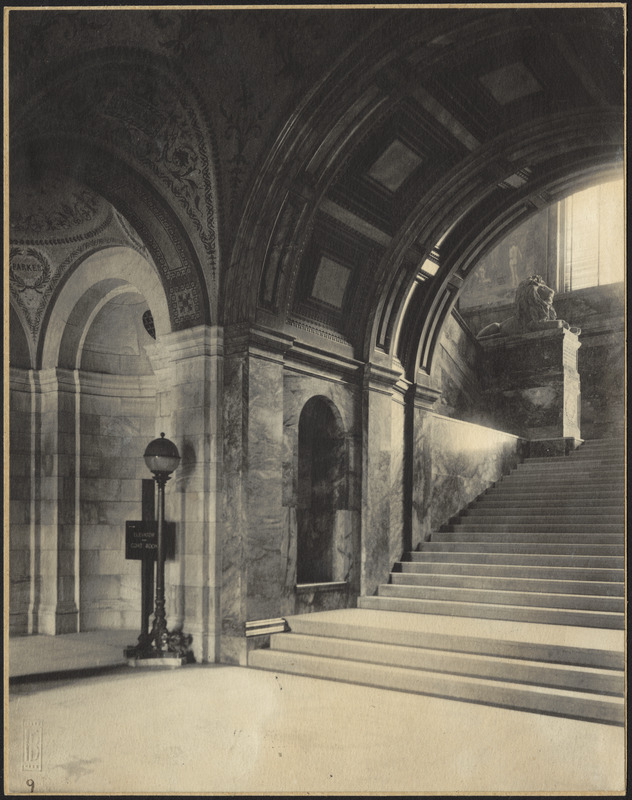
(243, 115)
(55, 211)
(142, 114)
(54, 221)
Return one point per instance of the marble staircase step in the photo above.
(455, 533)
(508, 525)
(587, 575)
(582, 705)
(576, 470)
(513, 597)
(526, 559)
(490, 506)
(548, 496)
(516, 640)
(596, 680)
(524, 548)
(596, 458)
(518, 613)
(469, 581)
(532, 522)
(561, 480)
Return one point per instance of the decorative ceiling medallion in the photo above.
(331, 282)
(396, 164)
(29, 270)
(509, 83)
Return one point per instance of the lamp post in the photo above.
(162, 458)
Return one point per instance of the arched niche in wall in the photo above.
(322, 491)
(105, 410)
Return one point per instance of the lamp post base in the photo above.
(167, 659)
(171, 647)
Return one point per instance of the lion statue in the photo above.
(534, 311)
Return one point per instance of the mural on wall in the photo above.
(522, 253)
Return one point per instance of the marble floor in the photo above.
(212, 729)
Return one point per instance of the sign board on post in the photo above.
(141, 539)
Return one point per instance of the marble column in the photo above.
(189, 379)
(382, 501)
(254, 559)
(532, 384)
(59, 529)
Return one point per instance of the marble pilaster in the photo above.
(256, 526)
(22, 541)
(422, 399)
(379, 464)
(190, 413)
(59, 544)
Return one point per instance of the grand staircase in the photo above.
(517, 602)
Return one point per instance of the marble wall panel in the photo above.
(263, 550)
(455, 461)
(111, 473)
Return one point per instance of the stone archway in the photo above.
(98, 405)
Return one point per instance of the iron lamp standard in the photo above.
(162, 458)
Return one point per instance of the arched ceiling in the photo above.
(446, 128)
(350, 147)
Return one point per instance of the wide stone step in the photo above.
(572, 468)
(578, 602)
(598, 681)
(586, 575)
(551, 493)
(537, 699)
(542, 516)
(583, 465)
(457, 534)
(549, 497)
(588, 482)
(495, 525)
(519, 524)
(548, 586)
(518, 613)
(525, 548)
(507, 639)
(528, 559)
(490, 505)
(617, 460)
